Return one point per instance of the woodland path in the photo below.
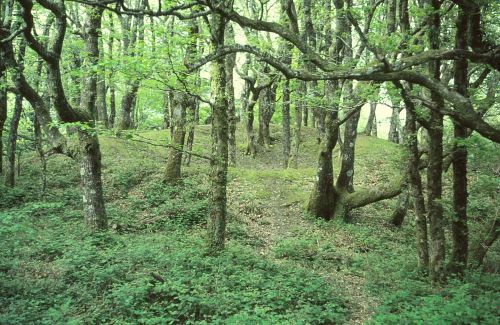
(270, 214)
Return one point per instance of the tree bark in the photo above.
(285, 112)
(345, 180)
(111, 83)
(267, 105)
(371, 124)
(297, 130)
(10, 178)
(251, 145)
(166, 110)
(322, 200)
(435, 167)
(394, 127)
(399, 213)
(484, 245)
(101, 105)
(230, 65)
(459, 227)
(174, 162)
(90, 153)
(39, 148)
(3, 111)
(219, 162)
(130, 97)
(192, 102)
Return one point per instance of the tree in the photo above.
(89, 154)
(219, 162)
(14, 124)
(132, 37)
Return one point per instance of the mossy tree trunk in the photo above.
(287, 15)
(297, 129)
(371, 123)
(3, 109)
(230, 65)
(101, 104)
(411, 145)
(323, 195)
(394, 128)
(435, 167)
(174, 161)
(326, 200)
(10, 175)
(167, 115)
(285, 112)
(484, 245)
(459, 227)
(111, 83)
(219, 162)
(267, 105)
(89, 149)
(345, 180)
(130, 97)
(192, 117)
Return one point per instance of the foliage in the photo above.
(71, 276)
(472, 302)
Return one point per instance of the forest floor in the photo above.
(281, 265)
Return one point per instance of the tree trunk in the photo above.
(399, 213)
(89, 149)
(371, 119)
(322, 199)
(483, 246)
(416, 188)
(297, 137)
(245, 92)
(395, 123)
(130, 96)
(10, 179)
(111, 83)
(193, 119)
(41, 153)
(345, 180)
(219, 162)
(266, 111)
(414, 178)
(90, 164)
(435, 167)
(112, 105)
(166, 109)
(101, 106)
(251, 146)
(192, 103)
(127, 105)
(285, 108)
(173, 168)
(287, 14)
(3, 112)
(230, 65)
(460, 231)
